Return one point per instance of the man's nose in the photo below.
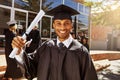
(62, 26)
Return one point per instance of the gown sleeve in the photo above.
(88, 69)
(30, 64)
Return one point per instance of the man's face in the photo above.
(62, 28)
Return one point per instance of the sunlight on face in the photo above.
(62, 28)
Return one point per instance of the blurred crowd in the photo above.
(82, 37)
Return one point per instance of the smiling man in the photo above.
(62, 28)
(63, 58)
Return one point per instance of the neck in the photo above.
(61, 39)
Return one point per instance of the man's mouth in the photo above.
(62, 32)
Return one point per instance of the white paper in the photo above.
(32, 25)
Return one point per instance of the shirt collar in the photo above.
(67, 42)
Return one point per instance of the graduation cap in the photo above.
(11, 23)
(62, 12)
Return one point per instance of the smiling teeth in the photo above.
(62, 31)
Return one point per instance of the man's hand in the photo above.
(19, 43)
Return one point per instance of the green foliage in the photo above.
(88, 4)
(105, 15)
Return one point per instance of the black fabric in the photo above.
(62, 15)
(12, 70)
(62, 12)
(73, 63)
(30, 67)
(36, 41)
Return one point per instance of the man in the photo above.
(63, 58)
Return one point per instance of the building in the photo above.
(24, 12)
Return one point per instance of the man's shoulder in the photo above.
(76, 45)
(49, 42)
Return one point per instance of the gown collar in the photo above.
(67, 42)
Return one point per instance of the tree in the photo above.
(87, 3)
(104, 14)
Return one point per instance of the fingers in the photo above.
(18, 42)
(19, 50)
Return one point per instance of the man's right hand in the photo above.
(19, 43)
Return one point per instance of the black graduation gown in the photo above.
(86, 45)
(36, 41)
(12, 69)
(52, 63)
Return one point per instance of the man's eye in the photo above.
(67, 24)
(58, 24)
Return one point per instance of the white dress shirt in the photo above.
(67, 42)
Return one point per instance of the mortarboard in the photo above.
(11, 22)
(62, 12)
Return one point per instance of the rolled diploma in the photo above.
(32, 25)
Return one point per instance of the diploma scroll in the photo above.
(32, 25)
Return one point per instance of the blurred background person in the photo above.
(13, 71)
(84, 41)
(36, 40)
(80, 36)
(73, 34)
